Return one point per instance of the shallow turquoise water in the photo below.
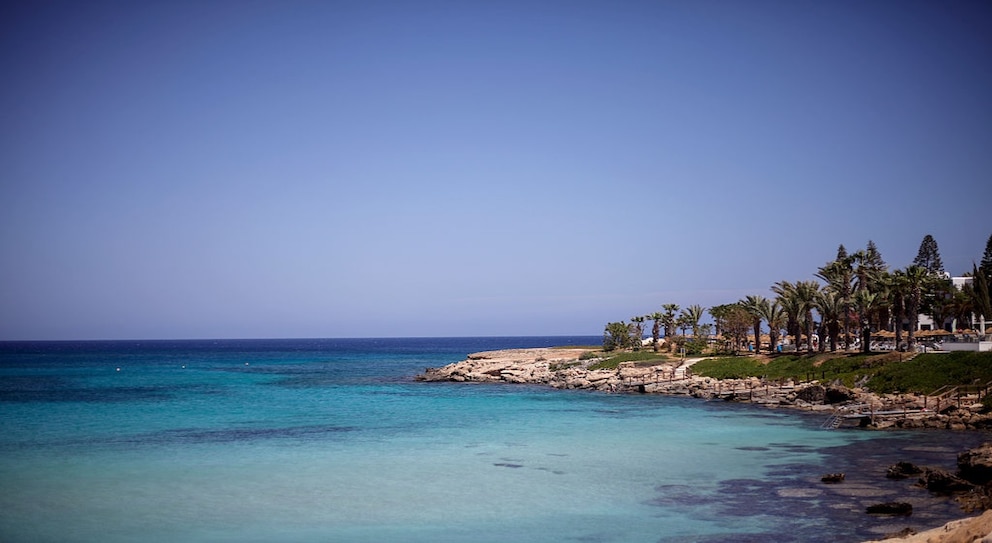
(332, 440)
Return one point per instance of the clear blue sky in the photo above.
(184, 169)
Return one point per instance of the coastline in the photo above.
(566, 368)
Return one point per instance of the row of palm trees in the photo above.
(858, 294)
(673, 317)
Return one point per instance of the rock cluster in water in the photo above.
(971, 487)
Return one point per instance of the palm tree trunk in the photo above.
(757, 336)
(898, 329)
(847, 326)
(866, 336)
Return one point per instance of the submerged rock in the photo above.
(903, 470)
(901, 509)
(832, 478)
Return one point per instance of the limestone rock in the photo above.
(969, 530)
(975, 465)
(812, 394)
(943, 482)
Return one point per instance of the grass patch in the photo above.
(883, 373)
(645, 358)
(928, 372)
(847, 368)
(730, 367)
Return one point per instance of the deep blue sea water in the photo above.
(333, 441)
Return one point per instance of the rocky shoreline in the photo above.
(569, 368)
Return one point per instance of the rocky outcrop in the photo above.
(903, 470)
(511, 366)
(812, 394)
(975, 465)
(970, 487)
(570, 368)
(943, 482)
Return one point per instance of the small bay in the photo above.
(333, 440)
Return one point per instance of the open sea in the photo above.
(332, 440)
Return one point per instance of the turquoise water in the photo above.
(332, 440)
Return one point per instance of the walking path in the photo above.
(680, 370)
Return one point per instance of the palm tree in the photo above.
(838, 276)
(830, 305)
(963, 303)
(806, 293)
(656, 329)
(799, 298)
(694, 313)
(882, 311)
(916, 283)
(775, 316)
(683, 322)
(638, 332)
(897, 287)
(616, 336)
(980, 298)
(786, 297)
(753, 305)
(668, 320)
(868, 268)
(864, 302)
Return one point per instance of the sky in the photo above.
(242, 169)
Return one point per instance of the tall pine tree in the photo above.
(928, 257)
(874, 257)
(986, 266)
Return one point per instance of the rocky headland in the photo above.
(572, 368)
